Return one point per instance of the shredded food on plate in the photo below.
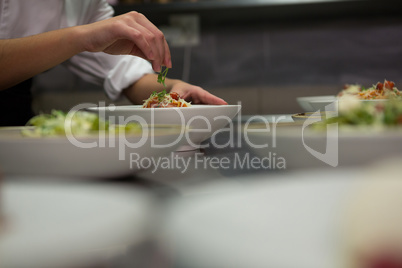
(165, 100)
(386, 90)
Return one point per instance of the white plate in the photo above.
(290, 220)
(68, 225)
(320, 104)
(304, 116)
(58, 156)
(307, 148)
(304, 102)
(203, 120)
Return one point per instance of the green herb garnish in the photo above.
(162, 76)
(159, 95)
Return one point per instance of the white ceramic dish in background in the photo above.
(304, 102)
(70, 224)
(203, 120)
(304, 116)
(321, 104)
(57, 156)
(289, 220)
(352, 146)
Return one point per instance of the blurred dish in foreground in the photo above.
(372, 226)
(344, 218)
(70, 225)
(289, 220)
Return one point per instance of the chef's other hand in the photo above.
(196, 94)
(131, 33)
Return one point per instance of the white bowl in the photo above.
(304, 116)
(203, 121)
(106, 157)
(304, 102)
(320, 104)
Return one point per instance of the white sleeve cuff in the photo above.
(128, 70)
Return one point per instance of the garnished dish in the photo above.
(386, 90)
(165, 100)
(81, 123)
(380, 92)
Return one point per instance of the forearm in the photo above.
(142, 89)
(22, 58)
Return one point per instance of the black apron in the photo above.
(16, 104)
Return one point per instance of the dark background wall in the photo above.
(267, 55)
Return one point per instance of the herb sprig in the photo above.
(162, 76)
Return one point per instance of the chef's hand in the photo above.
(131, 33)
(196, 94)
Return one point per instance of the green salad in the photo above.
(81, 123)
(357, 113)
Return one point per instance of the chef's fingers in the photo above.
(158, 39)
(154, 44)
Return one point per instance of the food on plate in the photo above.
(386, 90)
(354, 112)
(165, 100)
(80, 123)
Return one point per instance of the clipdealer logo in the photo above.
(331, 155)
(200, 161)
(240, 161)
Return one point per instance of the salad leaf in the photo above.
(81, 123)
(386, 114)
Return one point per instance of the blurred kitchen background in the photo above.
(264, 53)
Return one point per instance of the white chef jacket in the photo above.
(20, 18)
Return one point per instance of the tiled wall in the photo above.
(267, 65)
